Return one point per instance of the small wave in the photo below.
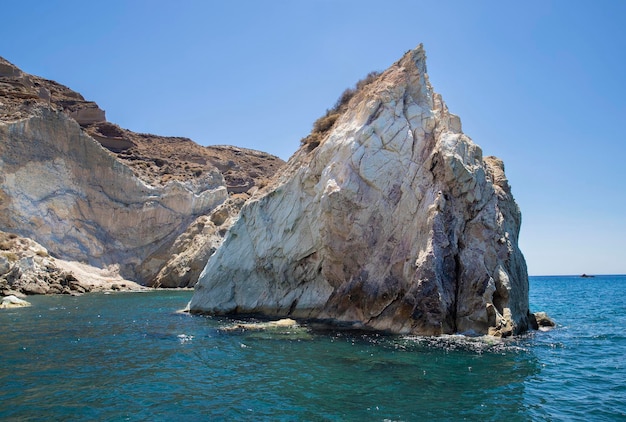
(184, 338)
(451, 342)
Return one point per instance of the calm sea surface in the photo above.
(130, 356)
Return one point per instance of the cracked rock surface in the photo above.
(394, 221)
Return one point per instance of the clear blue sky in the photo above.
(540, 84)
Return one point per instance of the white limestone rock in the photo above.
(27, 268)
(394, 222)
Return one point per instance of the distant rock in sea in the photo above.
(388, 218)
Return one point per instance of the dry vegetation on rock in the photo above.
(322, 126)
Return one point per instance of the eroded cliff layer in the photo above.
(62, 188)
(391, 220)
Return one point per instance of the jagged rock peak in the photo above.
(418, 57)
(391, 220)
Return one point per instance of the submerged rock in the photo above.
(388, 218)
(269, 325)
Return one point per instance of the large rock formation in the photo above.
(93, 192)
(388, 218)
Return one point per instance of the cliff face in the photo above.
(62, 188)
(391, 220)
(90, 191)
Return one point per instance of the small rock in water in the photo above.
(544, 322)
(13, 302)
(281, 323)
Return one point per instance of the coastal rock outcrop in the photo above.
(389, 218)
(541, 321)
(26, 268)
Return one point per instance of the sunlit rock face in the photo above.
(60, 187)
(394, 222)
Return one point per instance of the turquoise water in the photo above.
(130, 356)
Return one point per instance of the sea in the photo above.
(134, 357)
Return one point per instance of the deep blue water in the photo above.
(130, 356)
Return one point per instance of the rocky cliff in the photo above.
(388, 217)
(90, 191)
(62, 188)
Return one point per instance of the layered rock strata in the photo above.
(392, 220)
(62, 188)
